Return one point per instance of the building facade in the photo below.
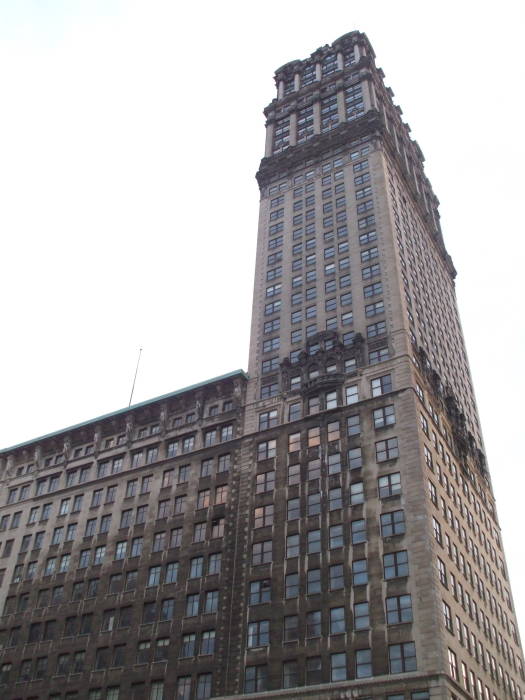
(323, 527)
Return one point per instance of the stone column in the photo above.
(317, 114)
(270, 126)
(293, 129)
(367, 98)
(341, 111)
(373, 96)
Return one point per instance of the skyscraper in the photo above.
(322, 527)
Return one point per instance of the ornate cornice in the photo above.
(316, 147)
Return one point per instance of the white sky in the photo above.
(130, 134)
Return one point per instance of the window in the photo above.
(265, 482)
(188, 443)
(352, 394)
(402, 657)
(290, 674)
(313, 581)
(258, 634)
(154, 576)
(91, 526)
(33, 516)
(379, 355)
(313, 504)
(294, 442)
(266, 450)
(338, 667)
(357, 494)
(167, 609)
(337, 621)
(183, 688)
(436, 527)
(395, 564)
(176, 537)
(92, 588)
(335, 498)
(255, 679)
(372, 290)
(260, 592)
(293, 511)
(203, 686)
(58, 532)
(263, 516)
(313, 670)
(313, 405)
(386, 449)
(447, 617)
(131, 488)
(214, 563)
(292, 546)
(40, 667)
(399, 609)
(453, 666)
(224, 463)
(313, 541)
(389, 485)
(211, 601)
(375, 329)
(291, 628)
(291, 585)
(207, 642)
(355, 460)
(179, 504)
(363, 663)
(393, 523)
(268, 420)
(96, 498)
(384, 417)
(136, 546)
(141, 515)
(217, 528)
(358, 531)
(381, 385)
(120, 550)
(262, 552)
(442, 572)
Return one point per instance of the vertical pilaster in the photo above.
(293, 129)
(270, 127)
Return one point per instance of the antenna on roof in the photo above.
(135, 377)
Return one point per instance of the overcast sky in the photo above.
(130, 134)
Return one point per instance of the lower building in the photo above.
(161, 551)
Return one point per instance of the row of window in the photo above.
(116, 583)
(317, 623)
(74, 504)
(116, 464)
(385, 450)
(475, 648)
(330, 117)
(401, 657)
(475, 686)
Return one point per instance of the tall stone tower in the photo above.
(323, 527)
(358, 369)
